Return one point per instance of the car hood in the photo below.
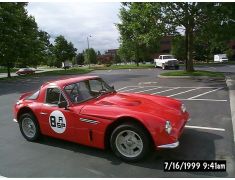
(124, 102)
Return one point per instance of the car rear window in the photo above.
(54, 96)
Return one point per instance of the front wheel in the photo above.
(130, 142)
(163, 66)
(29, 127)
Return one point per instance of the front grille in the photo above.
(172, 63)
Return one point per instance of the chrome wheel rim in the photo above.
(129, 143)
(28, 127)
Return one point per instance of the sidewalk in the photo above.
(230, 80)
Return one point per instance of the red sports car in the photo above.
(86, 110)
(24, 71)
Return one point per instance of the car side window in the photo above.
(96, 85)
(54, 96)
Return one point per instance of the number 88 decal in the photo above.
(57, 121)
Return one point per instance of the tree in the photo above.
(80, 58)
(143, 22)
(198, 18)
(139, 35)
(98, 53)
(215, 34)
(117, 59)
(178, 47)
(21, 42)
(51, 58)
(44, 46)
(34, 44)
(125, 52)
(63, 50)
(90, 56)
(12, 17)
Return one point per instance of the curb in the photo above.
(231, 86)
(191, 77)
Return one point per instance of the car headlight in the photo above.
(183, 108)
(168, 127)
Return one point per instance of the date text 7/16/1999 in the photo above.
(195, 165)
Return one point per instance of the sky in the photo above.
(78, 20)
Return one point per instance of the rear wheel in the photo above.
(29, 127)
(130, 142)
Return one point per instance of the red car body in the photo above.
(89, 122)
(25, 71)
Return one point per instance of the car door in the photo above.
(159, 62)
(57, 122)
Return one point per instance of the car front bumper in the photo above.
(170, 146)
(15, 120)
(174, 143)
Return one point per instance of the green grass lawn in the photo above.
(195, 73)
(126, 66)
(67, 72)
(4, 70)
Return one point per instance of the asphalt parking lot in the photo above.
(208, 136)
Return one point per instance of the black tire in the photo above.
(141, 132)
(164, 67)
(37, 133)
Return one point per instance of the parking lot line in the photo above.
(205, 93)
(165, 90)
(219, 100)
(205, 128)
(147, 90)
(181, 87)
(122, 88)
(143, 83)
(183, 92)
(133, 88)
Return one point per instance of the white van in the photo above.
(220, 58)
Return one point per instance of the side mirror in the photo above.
(113, 87)
(63, 104)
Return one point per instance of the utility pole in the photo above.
(88, 52)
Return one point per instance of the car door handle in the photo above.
(43, 113)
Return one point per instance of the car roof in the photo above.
(63, 82)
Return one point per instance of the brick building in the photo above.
(107, 57)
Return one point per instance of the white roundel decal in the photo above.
(57, 121)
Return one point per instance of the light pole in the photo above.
(88, 53)
(88, 41)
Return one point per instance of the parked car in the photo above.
(166, 61)
(88, 111)
(24, 71)
(220, 58)
(67, 65)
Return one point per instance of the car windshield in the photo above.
(88, 89)
(168, 57)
